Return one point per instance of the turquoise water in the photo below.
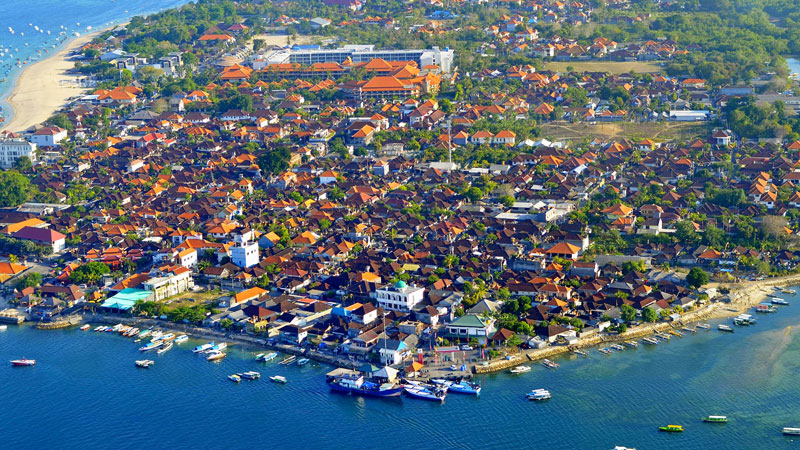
(85, 390)
(50, 15)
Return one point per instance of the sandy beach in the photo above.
(44, 87)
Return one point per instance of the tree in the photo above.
(22, 164)
(15, 188)
(697, 277)
(649, 314)
(89, 273)
(473, 194)
(225, 324)
(275, 161)
(628, 313)
(32, 279)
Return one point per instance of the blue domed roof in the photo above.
(400, 285)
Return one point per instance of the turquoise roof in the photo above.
(126, 298)
(400, 285)
(469, 320)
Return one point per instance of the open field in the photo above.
(185, 299)
(658, 131)
(604, 66)
(282, 40)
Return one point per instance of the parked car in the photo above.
(466, 347)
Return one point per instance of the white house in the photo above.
(392, 351)
(245, 255)
(400, 297)
(49, 136)
(188, 257)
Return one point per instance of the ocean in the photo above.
(85, 390)
(31, 20)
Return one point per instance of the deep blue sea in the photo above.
(85, 392)
(62, 18)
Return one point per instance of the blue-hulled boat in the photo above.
(462, 387)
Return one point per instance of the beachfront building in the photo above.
(471, 326)
(171, 281)
(13, 148)
(400, 297)
(49, 136)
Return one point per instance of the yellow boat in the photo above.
(671, 428)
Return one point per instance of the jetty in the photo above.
(11, 316)
(64, 322)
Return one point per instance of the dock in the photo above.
(11, 316)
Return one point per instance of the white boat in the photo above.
(167, 337)
(202, 348)
(167, 347)
(520, 369)
(651, 341)
(3, 327)
(791, 431)
(425, 394)
(269, 356)
(181, 338)
(288, 360)
(278, 379)
(23, 362)
(303, 361)
(215, 356)
(549, 364)
(235, 378)
(250, 375)
(144, 363)
(99, 328)
(83, 328)
(145, 333)
(259, 356)
(779, 301)
(725, 328)
(704, 326)
(633, 344)
(788, 291)
(538, 395)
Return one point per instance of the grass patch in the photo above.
(614, 67)
(658, 131)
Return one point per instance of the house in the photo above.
(392, 351)
(318, 23)
(13, 148)
(245, 296)
(245, 255)
(293, 334)
(722, 137)
(171, 282)
(49, 136)
(400, 297)
(43, 236)
(564, 250)
(188, 257)
(471, 326)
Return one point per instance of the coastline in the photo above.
(44, 87)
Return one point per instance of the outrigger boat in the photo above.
(203, 348)
(633, 344)
(549, 364)
(715, 419)
(649, 340)
(704, 326)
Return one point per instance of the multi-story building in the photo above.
(11, 149)
(245, 255)
(171, 282)
(363, 53)
(400, 297)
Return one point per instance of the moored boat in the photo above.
(462, 387)
(144, 363)
(671, 428)
(151, 346)
(722, 327)
(167, 337)
(538, 395)
(354, 383)
(182, 338)
(85, 327)
(278, 379)
(633, 344)
(23, 362)
(649, 340)
(580, 352)
(165, 348)
(788, 291)
(235, 378)
(425, 394)
(549, 364)
(715, 419)
(288, 360)
(779, 301)
(704, 326)
(215, 356)
(604, 351)
(269, 357)
(303, 361)
(618, 347)
(250, 375)
(520, 369)
(202, 348)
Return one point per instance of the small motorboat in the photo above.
(259, 356)
(779, 301)
(165, 348)
(215, 356)
(549, 364)
(425, 394)
(251, 375)
(604, 351)
(704, 326)
(303, 361)
(182, 338)
(538, 395)
(3, 327)
(278, 379)
(85, 327)
(672, 428)
(726, 328)
(268, 357)
(202, 348)
(520, 369)
(235, 378)
(632, 344)
(791, 431)
(23, 362)
(144, 363)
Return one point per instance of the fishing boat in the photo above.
(145, 333)
(520, 369)
(85, 327)
(788, 291)
(303, 361)
(690, 330)
(151, 346)
(618, 347)
(269, 357)
(704, 326)
(580, 352)
(779, 301)
(425, 394)
(632, 344)
(651, 341)
(278, 379)
(538, 395)
(23, 362)
(791, 431)
(165, 348)
(202, 348)
(604, 351)
(663, 336)
(744, 320)
(549, 364)
(671, 428)
(462, 387)
(675, 333)
(235, 378)
(215, 356)
(144, 363)
(763, 309)
(182, 338)
(250, 375)
(168, 337)
(288, 360)
(259, 356)
(722, 327)
(353, 383)
(715, 419)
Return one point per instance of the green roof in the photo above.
(126, 298)
(469, 320)
(400, 285)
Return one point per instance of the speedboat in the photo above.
(3, 327)
(215, 356)
(165, 348)
(425, 394)
(151, 346)
(144, 363)
(251, 375)
(181, 338)
(278, 379)
(202, 348)
(23, 362)
(520, 369)
(538, 395)
(791, 431)
(259, 356)
(235, 378)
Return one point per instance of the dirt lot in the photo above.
(658, 131)
(605, 66)
(282, 40)
(185, 299)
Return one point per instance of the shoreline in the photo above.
(43, 88)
